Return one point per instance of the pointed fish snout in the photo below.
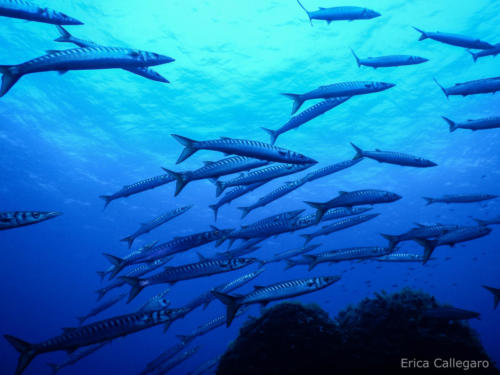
(54, 214)
(389, 85)
(165, 59)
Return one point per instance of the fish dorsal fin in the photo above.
(68, 330)
(214, 228)
(201, 257)
(378, 150)
(258, 287)
(51, 51)
(208, 163)
(225, 138)
(149, 246)
(419, 225)
(134, 53)
(342, 192)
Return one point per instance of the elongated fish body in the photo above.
(282, 290)
(470, 198)
(176, 361)
(480, 86)
(354, 198)
(288, 215)
(455, 39)
(283, 190)
(27, 11)
(261, 175)
(336, 90)
(76, 356)
(336, 213)
(16, 219)
(88, 58)
(246, 248)
(421, 231)
(330, 169)
(344, 13)
(400, 258)
(155, 223)
(94, 333)
(102, 307)
(391, 157)
(171, 275)
(495, 220)
(461, 234)
(291, 253)
(487, 52)
(163, 357)
(450, 313)
(305, 116)
(215, 170)
(157, 302)
(242, 147)
(389, 61)
(496, 295)
(148, 73)
(231, 195)
(206, 367)
(265, 230)
(479, 124)
(338, 225)
(346, 254)
(138, 187)
(136, 272)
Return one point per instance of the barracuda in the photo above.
(400, 258)
(291, 253)
(215, 170)
(157, 302)
(76, 356)
(391, 157)
(176, 361)
(88, 58)
(261, 175)
(421, 231)
(102, 307)
(305, 116)
(26, 10)
(330, 169)
(389, 61)
(138, 187)
(468, 198)
(242, 147)
(454, 39)
(172, 275)
(487, 52)
(237, 192)
(264, 295)
(102, 331)
(155, 223)
(479, 124)
(479, 86)
(66, 37)
(16, 219)
(344, 13)
(341, 89)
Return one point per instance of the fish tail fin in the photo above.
(100, 293)
(474, 55)
(290, 263)
(215, 209)
(357, 59)
(117, 262)
(54, 367)
(423, 36)
(452, 124)
(496, 295)
(27, 353)
(245, 211)
(429, 247)
(307, 237)
(189, 149)
(297, 101)
(9, 79)
(107, 199)
(481, 222)
(429, 200)
(393, 240)
(129, 239)
(221, 186)
(180, 178)
(231, 303)
(359, 152)
(136, 284)
(65, 35)
(441, 87)
(312, 260)
(320, 209)
(102, 274)
(272, 133)
(305, 10)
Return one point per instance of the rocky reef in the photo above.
(387, 334)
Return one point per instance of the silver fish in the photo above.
(479, 124)
(166, 355)
(335, 90)
(231, 195)
(291, 253)
(421, 231)
(486, 52)
(155, 223)
(391, 157)
(344, 13)
(281, 290)
(148, 73)
(25, 10)
(495, 220)
(103, 306)
(16, 219)
(94, 333)
(454, 39)
(175, 361)
(76, 356)
(328, 170)
(205, 367)
(88, 58)
(479, 86)
(400, 257)
(242, 147)
(157, 302)
(470, 198)
(389, 61)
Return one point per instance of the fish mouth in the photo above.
(165, 59)
(54, 214)
(71, 21)
(389, 85)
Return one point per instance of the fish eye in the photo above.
(36, 215)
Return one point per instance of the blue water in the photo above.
(67, 139)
